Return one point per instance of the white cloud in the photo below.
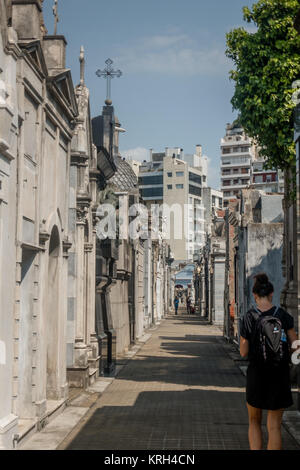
(250, 28)
(172, 53)
(139, 153)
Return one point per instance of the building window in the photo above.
(195, 178)
(226, 150)
(152, 192)
(194, 190)
(235, 181)
(179, 173)
(226, 171)
(145, 180)
(214, 200)
(169, 174)
(179, 186)
(220, 202)
(169, 186)
(227, 183)
(204, 178)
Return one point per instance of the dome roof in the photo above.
(124, 179)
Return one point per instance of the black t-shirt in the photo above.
(247, 325)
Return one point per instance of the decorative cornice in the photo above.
(66, 244)
(82, 214)
(123, 275)
(43, 238)
(88, 247)
(79, 159)
(4, 149)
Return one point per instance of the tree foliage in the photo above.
(267, 63)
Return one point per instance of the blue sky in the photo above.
(175, 89)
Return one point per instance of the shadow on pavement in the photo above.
(190, 419)
(178, 392)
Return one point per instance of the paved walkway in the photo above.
(182, 390)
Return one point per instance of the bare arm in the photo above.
(244, 347)
(295, 346)
(292, 336)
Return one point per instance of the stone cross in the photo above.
(108, 73)
(56, 17)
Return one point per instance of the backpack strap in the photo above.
(276, 310)
(257, 311)
(254, 310)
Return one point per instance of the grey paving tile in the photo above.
(182, 390)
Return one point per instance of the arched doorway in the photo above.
(52, 333)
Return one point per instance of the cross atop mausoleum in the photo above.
(108, 73)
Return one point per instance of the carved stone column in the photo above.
(289, 295)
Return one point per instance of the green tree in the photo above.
(267, 62)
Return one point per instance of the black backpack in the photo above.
(270, 342)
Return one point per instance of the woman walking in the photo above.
(266, 334)
(176, 303)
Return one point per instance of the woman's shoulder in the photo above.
(250, 315)
(251, 312)
(286, 315)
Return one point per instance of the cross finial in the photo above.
(108, 73)
(56, 17)
(82, 63)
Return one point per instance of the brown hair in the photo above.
(262, 286)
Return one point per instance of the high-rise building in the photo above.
(242, 166)
(237, 155)
(269, 180)
(175, 179)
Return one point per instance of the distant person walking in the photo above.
(266, 334)
(188, 304)
(176, 303)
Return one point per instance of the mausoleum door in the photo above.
(52, 330)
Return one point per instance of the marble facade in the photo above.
(69, 302)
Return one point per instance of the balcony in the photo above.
(234, 162)
(235, 186)
(235, 175)
(231, 143)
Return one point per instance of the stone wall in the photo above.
(260, 250)
(9, 53)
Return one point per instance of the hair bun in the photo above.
(261, 279)
(262, 286)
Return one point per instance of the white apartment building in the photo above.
(135, 165)
(242, 167)
(173, 178)
(237, 155)
(268, 180)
